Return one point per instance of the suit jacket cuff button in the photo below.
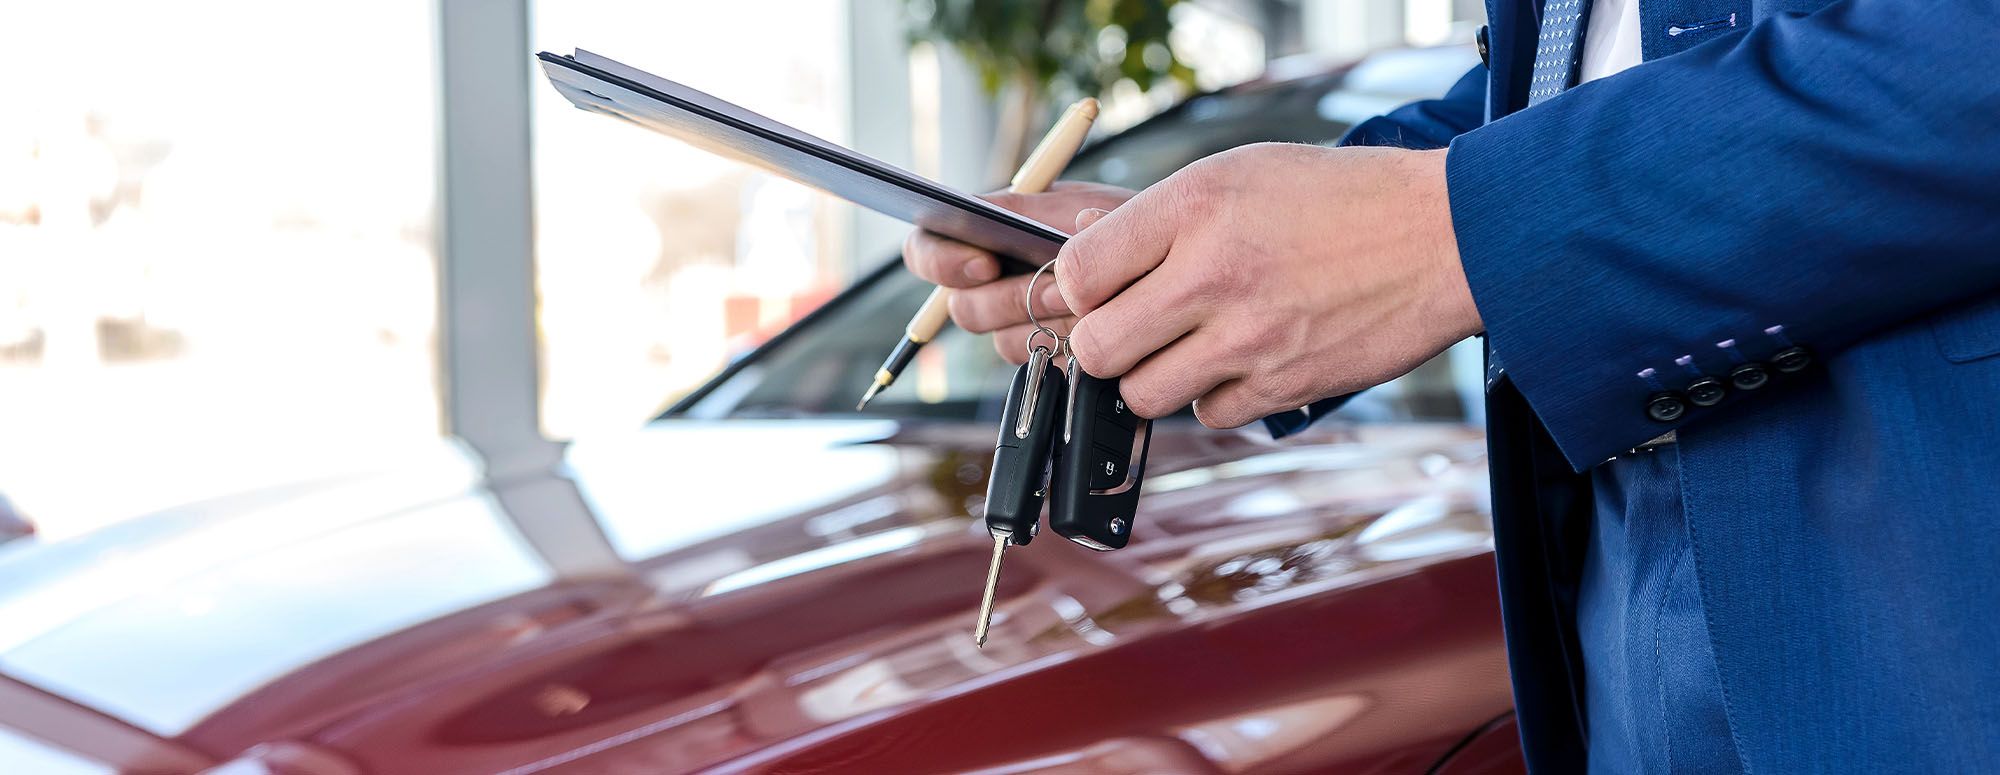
(1791, 359)
(1749, 376)
(1707, 391)
(1665, 407)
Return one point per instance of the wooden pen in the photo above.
(1042, 168)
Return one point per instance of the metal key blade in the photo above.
(992, 585)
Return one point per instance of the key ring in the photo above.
(1062, 342)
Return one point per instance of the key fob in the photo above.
(1021, 457)
(1100, 461)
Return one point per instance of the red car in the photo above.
(764, 581)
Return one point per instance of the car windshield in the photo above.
(820, 366)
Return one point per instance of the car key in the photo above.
(1100, 461)
(1019, 480)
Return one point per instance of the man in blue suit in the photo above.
(1737, 263)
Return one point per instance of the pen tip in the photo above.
(868, 396)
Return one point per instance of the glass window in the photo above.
(215, 248)
(657, 262)
(821, 367)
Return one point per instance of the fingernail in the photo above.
(981, 270)
(1089, 216)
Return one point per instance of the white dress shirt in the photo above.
(1611, 41)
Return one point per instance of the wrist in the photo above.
(1449, 294)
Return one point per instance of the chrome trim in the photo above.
(1139, 436)
(1089, 543)
(1069, 412)
(1031, 391)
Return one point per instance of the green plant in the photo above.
(1036, 50)
(1065, 48)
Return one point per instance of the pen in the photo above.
(1042, 167)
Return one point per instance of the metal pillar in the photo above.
(878, 116)
(490, 363)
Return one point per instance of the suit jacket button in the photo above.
(1665, 407)
(1707, 391)
(1481, 37)
(1791, 359)
(1749, 376)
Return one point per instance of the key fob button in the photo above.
(1110, 435)
(1100, 462)
(1111, 407)
(1107, 468)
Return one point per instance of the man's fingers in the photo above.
(1148, 316)
(948, 262)
(1000, 304)
(1118, 248)
(1174, 377)
(1234, 404)
(1059, 205)
(1012, 342)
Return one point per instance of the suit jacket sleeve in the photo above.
(1813, 179)
(1423, 125)
(1428, 124)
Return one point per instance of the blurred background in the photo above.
(219, 221)
(246, 245)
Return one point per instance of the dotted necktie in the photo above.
(1557, 48)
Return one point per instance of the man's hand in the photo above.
(1267, 277)
(983, 303)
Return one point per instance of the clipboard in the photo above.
(600, 84)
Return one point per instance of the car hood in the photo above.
(399, 622)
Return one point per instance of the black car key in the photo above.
(1100, 460)
(1019, 480)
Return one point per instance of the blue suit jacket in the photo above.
(1804, 173)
